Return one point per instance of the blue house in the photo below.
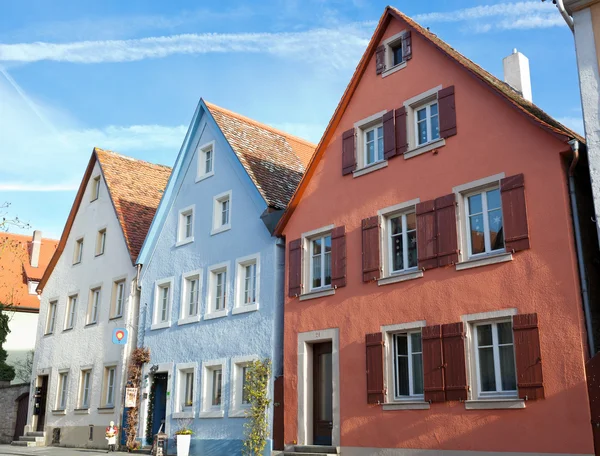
(212, 277)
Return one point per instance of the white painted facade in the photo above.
(87, 345)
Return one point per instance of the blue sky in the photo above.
(127, 76)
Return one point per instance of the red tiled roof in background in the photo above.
(136, 188)
(274, 160)
(16, 269)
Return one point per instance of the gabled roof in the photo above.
(16, 269)
(273, 159)
(501, 88)
(135, 188)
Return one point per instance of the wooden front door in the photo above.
(322, 394)
(41, 421)
(22, 404)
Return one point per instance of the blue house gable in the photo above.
(212, 277)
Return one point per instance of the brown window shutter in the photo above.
(426, 235)
(401, 136)
(433, 360)
(407, 46)
(370, 248)
(455, 372)
(380, 59)
(447, 240)
(389, 135)
(514, 213)
(348, 157)
(375, 389)
(338, 257)
(528, 356)
(447, 110)
(295, 269)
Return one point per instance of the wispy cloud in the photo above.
(574, 123)
(339, 47)
(501, 16)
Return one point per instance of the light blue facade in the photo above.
(186, 344)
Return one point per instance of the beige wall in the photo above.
(78, 436)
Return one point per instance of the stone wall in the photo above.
(8, 409)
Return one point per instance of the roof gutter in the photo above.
(563, 12)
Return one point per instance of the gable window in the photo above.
(118, 299)
(396, 51)
(100, 242)
(71, 306)
(212, 393)
(221, 212)
(218, 291)
(32, 287)
(393, 53)
(206, 159)
(109, 386)
(185, 231)
(247, 284)
(191, 289)
(320, 262)
(95, 188)
(408, 365)
(163, 296)
(85, 388)
(93, 306)
(427, 124)
(483, 217)
(240, 401)
(78, 251)
(51, 317)
(63, 388)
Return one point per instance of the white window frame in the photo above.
(106, 403)
(236, 408)
(159, 285)
(62, 393)
(182, 225)
(70, 314)
(390, 43)
(95, 188)
(361, 128)
(201, 173)
(184, 316)
(427, 107)
(412, 105)
(240, 282)
(391, 401)
(211, 311)
(51, 317)
(208, 410)
(81, 404)
(182, 410)
(307, 290)
(94, 305)
(218, 200)
(100, 242)
(486, 229)
(115, 312)
(78, 251)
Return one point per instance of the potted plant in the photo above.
(183, 436)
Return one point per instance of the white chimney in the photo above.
(36, 244)
(516, 73)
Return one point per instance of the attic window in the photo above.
(397, 56)
(393, 53)
(31, 286)
(95, 188)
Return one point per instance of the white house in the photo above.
(89, 290)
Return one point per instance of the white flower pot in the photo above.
(183, 445)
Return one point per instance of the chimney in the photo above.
(36, 244)
(516, 73)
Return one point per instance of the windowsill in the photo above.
(211, 414)
(184, 241)
(495, 404)
(204, 176)
(401, 277)
(245, 308)
(89, 325)
(393, 69)
(98, 255)
(95, 199)
(238, 413)
(82, 411)
(188, 415)
(59, 412)
(492, 258)
(217, 314)
(188, 320)
(425, 148)
(406, 405)
(67, 329)
(220, 229)
(106, 410)
(370, 168)
(48, 334)
(317, 294)
(75, 264)
(161, 325)
(116, 317)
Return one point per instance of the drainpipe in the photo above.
(582, 277)
(568, 19)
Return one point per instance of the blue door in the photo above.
(160, 403)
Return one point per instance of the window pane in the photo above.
(216, 396)
(370, 152)
(422, 114)
(435, 126)
(317, 246)
(417, 366)
(493, 199)
(402, 388)
(484, 335)
(397, 253)
(475, 206)
(487, 373)
(328, 268)
(316, 271)
(396, 224)
(327, 243)
(422, 131)
(433, 109)
(380, 143)
(245, 399)
(477, 234)
(411, 221)
(415, 342)
(397, 54)
(208, 166)
(401, 344)
(507, 368)
(412, 249)
(496, 229)
(505, 333)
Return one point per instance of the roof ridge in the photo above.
(127, 157)
(259, 124)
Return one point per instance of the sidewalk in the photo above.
(50, 451)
